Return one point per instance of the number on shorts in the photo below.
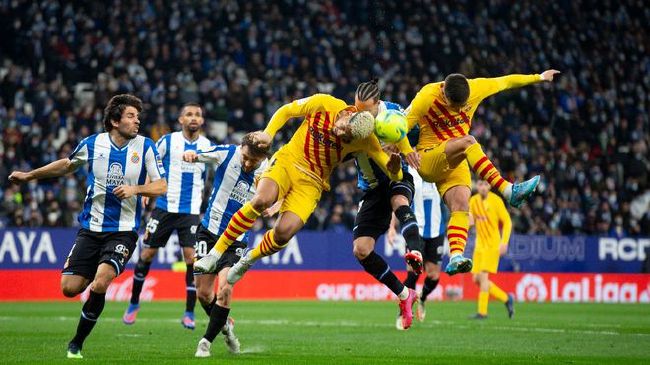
(152, 225)
(201, 248)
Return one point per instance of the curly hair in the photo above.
(116, 106)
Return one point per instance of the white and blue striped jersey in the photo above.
(231, 189)
(185, 180)
(369, 175)
(108, 167)
(427, 207)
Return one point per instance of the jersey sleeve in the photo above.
(163, 145)
(506, 222)
(418, 107)
(481, 88)
(297, 108)
(214, 154)
(377, 154)
(80, 155)
(153, 162)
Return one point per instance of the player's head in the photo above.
(351, 126)
(191, 117)
(483, 187)
(366, 98)
(251, 154)
(456, 90)
(122, 113)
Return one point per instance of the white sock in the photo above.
(404, 294)
(507, 193)
(214, 252)
(454, 255)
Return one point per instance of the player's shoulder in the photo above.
(325, 101)
(145, 141)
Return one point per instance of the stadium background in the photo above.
(587, 134)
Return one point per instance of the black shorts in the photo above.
(433, 249)
(205, 240)
(161, 225)
(375, 211)
(93, 248)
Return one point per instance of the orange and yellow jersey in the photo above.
(314, 148)
(488, 214)
(438, 122)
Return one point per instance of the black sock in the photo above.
(89, 315)
(376, 266)
(140, 272)
(218, 318)
(208, 307)
(429, 286)
(190, 288)
(411, 279)
(409, 228)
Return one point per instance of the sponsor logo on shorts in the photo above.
(122, 250)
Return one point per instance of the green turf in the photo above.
(338, 333)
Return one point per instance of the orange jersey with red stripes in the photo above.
(438, 122)
(314, 148)
(489, 214)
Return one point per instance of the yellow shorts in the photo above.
(434, 168)
(299, 192)
(486, 260)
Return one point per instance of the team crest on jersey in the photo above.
(115, 176)
(135, 158)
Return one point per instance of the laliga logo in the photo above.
(531, 288)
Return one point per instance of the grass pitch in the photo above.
(337, 333)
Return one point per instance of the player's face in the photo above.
(482, 187)
(129, 124)
(249, 161)
(191, 118)
(342, 126)
(371, 105)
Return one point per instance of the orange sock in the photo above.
(480, 163)
(457, 232)
(267, 247)
(240, 223)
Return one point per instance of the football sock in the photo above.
(218, 318)
(457, 232)
(190, 289)
(497, 292)
(483, 298)
(486, 170)
(89, 315)
(208, 307)
(240, 223)
(140, 272)
(267, 247)
(428, 287)
(376, 266)
(409, 228)
(411, 279)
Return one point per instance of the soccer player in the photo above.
(238, 169)
(443, 111)
(427, 208)
(299, 172)
(119, 161)
(177, 210)
(487, 213)
(381, 198)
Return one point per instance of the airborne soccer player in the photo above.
(488, 213)
(444, 111)
(299, 172)
(119, 161)
(177, 210)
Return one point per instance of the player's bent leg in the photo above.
(228, 329)
(457, 199)
(409, 230)
(430, 283)
(139, 275)
(72, 285)
(219, 321)
(205, 291)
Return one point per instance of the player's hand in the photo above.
(390, 148)
(125, 191)
(145, 201)
(548, 75)
(262, 139)
(413, 159)
(394, 163)
(272, 210)
(190, 156)
(391, 234)
(503, 249)
(18, 177)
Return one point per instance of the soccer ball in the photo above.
(391, 126)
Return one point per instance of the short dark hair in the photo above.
(253, 147)
(368, 90)
(191, 104)
(456, 89)
(116, 106)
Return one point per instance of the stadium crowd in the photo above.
(587, 134)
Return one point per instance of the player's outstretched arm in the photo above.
(390, 165)
(295, 109)
(486, 87)
(53, 169)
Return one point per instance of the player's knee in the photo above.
(70, 290)
(467, 141)
(459, 199)
(204, 295)
(282, 234)
(361, 251)
(225, 293)
(148, 254)
(262, 202)
(433, 275)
